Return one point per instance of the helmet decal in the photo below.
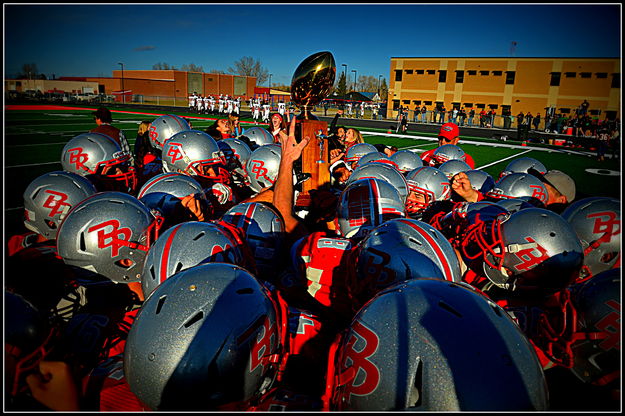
(359, 361)
(113, 236)
(56, 203)
(78, 157)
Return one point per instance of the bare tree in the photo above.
(29, 71)
(162, 65)
(216, 71)
(250, 67)
(191, 68)
(368, 83)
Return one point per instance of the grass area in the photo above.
(34, 140)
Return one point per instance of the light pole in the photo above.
(345, 75)
(379, 77)
(270, 83)
(123, 95)
(355, 72)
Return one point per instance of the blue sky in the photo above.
(90, 40)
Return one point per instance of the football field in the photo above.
(34, 137)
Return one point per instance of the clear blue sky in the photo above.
(90, 40)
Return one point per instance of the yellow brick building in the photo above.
(518, 84)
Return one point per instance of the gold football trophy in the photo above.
(311, 83)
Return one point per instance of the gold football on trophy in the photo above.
(313, 80)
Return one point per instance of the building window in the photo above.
(493, 106)
(395, 104)
(442, 76)
(585, 74)
(18, 83)
(431, 71)
(427, 102)
(616, 81)
(555, 79)
(398, 73)
(210, 80)
(472, 72)
(406, 102)
(565, 110)
(408, 71)
(510, 77)
(485, 73)
(481, 105)
(417, 102)
(420, 71)
(459, 77)
(569, 74)
(468, 104)
(497, 73)
(602, 74)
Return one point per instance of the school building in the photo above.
(537, 85)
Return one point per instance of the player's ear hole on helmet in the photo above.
(125, 263)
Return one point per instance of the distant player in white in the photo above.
(256, 112)
(362, 109)
(266, 110)
(192, 101)
(221, 104)
(230, 106)
(237, 106)
(211, 101)
(349, 109)
(281, 108)
(206, 101)
(199, 102)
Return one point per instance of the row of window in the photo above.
(510, 75)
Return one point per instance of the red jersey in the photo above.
(19, 242)
(323, 266)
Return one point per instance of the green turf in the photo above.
(35, 138)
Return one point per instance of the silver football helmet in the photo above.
(365, 204)
(523, 165)
(209, 336)
(373, 157)
(165, 127)
(447, 152)
(453, 167)
(263, 166)
(481, 181)
(597, 341)
(98, 154)
(519, 185)
(49, 197)
(402, 249)
(382, 171)
(533, 250)
(237, 148)
(355, 152)
(406, 161)
(108, 233)
(421, 345)
(597, 223)
(264, 233)
(192, 152)
(186, 245)
(259, 135)
(430, 182)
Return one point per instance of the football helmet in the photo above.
(453, 167)
(533, 251)
(109, 233)
(186, 245)
(406, 161)
(259, 135)
(402, 249)
(523, 165)
(236, 147)
(100, 155)
(365, 204)
(165, 127)
(597, 223)
(421, 345)
(373, 157)
(27, 341)
(209, 336)
(49, 197)
(192, 152)
(382, 171)
(447, 152)
(519, 185)
(513, 205)
(355, 152)
(480, 180)
(264, 232)
(165, 192)
(597, 341)
(263, 166)
(430, 182)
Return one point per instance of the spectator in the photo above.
(144, 152)
(471, 116)
(424, 111)
(104, 119)
(220, 129)
(448, 134)
(536, 121)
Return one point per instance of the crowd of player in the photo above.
(189, 276)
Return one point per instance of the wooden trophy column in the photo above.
(315, 160)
